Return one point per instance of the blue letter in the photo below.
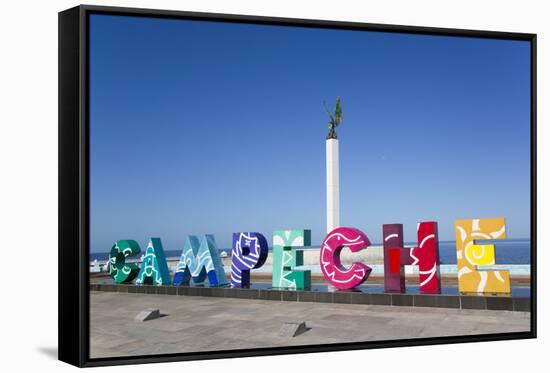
(198, 261)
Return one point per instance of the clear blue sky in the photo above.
(200, 127)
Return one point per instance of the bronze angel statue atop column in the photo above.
(334, 119)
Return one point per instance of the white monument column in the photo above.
(333, 185)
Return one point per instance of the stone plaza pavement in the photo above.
(192, 323)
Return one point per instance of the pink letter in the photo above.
(332, 268)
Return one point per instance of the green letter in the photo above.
(118, 269)
(284, 258)
(154, 269)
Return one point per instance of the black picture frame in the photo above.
(74, 232)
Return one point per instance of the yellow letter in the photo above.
(470, 255)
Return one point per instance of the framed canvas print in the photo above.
(234, 186)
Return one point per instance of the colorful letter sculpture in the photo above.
(199, 260)
(396, 256)
(284, 258)
(154, 269)
(249, 251)
(425, 256)
(333, 270)
(470, 255)
(118, 269)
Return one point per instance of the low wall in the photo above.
(520, 304)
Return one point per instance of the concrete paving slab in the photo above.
(209, 324)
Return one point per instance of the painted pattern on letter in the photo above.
(331, 266)
(249, 251)
(119, 270)
(154, 269)
(469, 255)
(285, 257)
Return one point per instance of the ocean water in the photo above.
(511, 251)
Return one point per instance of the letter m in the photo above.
(198, 260)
